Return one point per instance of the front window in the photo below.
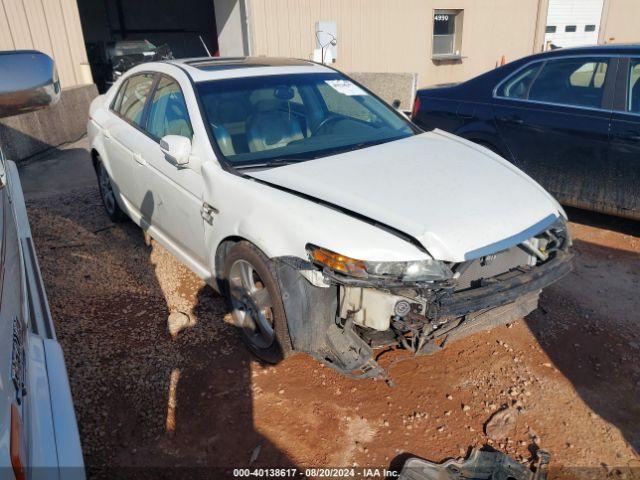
(289, 118)
(168, 113)
(571, 81)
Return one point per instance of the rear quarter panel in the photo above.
(466, 109)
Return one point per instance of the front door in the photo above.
(623, 158)
(172, 193)
(553, 117)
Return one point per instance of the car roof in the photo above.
(618, 49)
(214, 68)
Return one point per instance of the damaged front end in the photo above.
(340, 310)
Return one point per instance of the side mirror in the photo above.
(176, 148)
(28, 82)
(3, 171)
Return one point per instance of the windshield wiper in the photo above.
(280, 162)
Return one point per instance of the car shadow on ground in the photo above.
(149, 404)
(589, 325)
(607, 222)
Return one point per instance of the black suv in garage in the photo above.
(570, 118)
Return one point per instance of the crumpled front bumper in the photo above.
(316, 328)
(505, 288)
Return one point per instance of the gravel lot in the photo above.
(570, 372)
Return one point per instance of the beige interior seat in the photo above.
(271, 127)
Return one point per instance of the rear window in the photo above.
(518, 86)
(633, 103)
(568, 81)
(131, 103)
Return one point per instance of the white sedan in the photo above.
(333, 225)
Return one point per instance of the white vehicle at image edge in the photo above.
(333, 225)
(38, 432)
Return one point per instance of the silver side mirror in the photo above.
(176, 148)
(28, 82)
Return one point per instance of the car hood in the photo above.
(458, 200)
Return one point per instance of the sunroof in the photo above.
(224, 66)
(228, 63)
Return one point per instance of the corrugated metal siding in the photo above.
(51, 26)
(396, 35)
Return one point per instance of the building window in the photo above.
(550, 29)
(589, 28)
(570, 28)
(447, 33)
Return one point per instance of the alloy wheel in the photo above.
(106, 190)
(252, 304)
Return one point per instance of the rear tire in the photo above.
(256, 303)
(108, 195)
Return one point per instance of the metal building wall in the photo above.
(396, 35)
(51, 26)
(620, 22)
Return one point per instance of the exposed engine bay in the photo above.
(341, 319)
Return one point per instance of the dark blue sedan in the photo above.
(570, 118)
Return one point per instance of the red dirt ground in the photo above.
(571, 369)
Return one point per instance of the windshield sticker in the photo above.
(345, 87)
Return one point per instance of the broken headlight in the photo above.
(428, 270)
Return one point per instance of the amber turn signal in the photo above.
(337, 262)
(17, 448)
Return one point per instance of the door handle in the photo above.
(139, 159)
(106, 133)
(511, 119)
(633, 135)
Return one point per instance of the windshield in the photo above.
(133, 47)
(288, 118)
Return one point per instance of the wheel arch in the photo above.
(95, 155)
(222, 250)
(485, 134)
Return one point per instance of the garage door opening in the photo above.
(119, 34)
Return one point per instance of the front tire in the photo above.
(256, 303)
(108, 195)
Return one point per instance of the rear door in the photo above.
(622, 195)
(124, 136)
(554, 117)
